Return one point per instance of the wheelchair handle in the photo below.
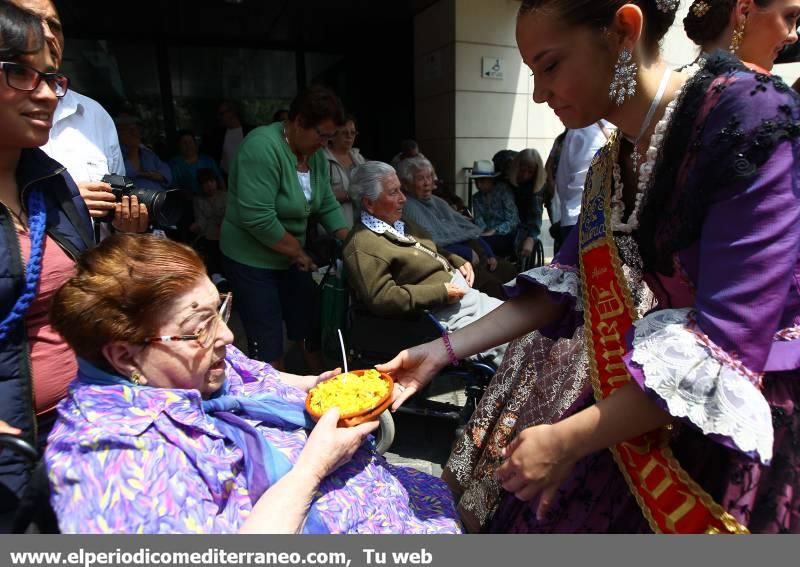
(19, 446)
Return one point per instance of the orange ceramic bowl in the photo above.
(363, 415)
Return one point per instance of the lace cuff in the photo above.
(698, 381)
(557, 279)
(563, 286)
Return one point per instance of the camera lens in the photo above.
(163, 206)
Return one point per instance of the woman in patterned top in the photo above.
(494, 207)
(169, 429)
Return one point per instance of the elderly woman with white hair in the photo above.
(449, 229)
(395, 268)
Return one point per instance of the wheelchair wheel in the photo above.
(538, 254)
(535, 260)
(384, 436)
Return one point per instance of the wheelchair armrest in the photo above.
(485, 368)
(19, 446)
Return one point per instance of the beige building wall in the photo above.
(462, 116)
(491, 114)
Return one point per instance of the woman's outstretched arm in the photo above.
(414, 368)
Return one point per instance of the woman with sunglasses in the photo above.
(170, 429)
(44, 226)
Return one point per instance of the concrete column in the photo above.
(434, 84)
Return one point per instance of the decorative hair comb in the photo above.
(700, 8)
(667, 6)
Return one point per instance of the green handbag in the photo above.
(334, 301)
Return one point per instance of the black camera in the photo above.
(164, 206)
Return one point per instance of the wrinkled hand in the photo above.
(304, 263)
(413, 369)
(536, 461)
(6, 429)
(468, 273)
(527, 248)
(130, 216)
(329, 447)
(98, 197)
(491, 263)
(454, 293)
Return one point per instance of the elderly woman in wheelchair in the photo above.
(396, 270)
(168, 428)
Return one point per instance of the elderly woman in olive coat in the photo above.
(395, 268)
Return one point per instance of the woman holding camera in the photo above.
(44, 225)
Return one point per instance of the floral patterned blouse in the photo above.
(127, 459)
(496, 210)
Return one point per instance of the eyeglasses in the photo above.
(325, 137)
(207, 332)
(23, 78)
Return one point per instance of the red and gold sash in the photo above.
(670, 500)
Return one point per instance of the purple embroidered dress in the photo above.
(718, 250)
(125, 459)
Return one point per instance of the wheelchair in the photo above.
(34, 513)
(535, 260)
(374, 339)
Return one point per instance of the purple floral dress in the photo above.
(126, 459)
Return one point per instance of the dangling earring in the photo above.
(623, 85)
(738, 36)
(137, 378)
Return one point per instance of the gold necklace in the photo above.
(300, 162)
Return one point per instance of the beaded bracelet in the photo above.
(450, 352)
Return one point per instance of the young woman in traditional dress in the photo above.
(678, 291)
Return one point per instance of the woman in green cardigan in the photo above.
(278, 179)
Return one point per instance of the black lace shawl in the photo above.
(673, 211)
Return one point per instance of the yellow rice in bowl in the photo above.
(351, 393)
